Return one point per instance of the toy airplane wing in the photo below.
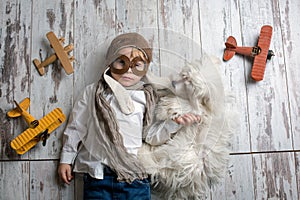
(259, 64)
(29, 138)
(60, 52)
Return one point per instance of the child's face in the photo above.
(128, 78)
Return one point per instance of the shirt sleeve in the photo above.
(161, 131)
(76, 129)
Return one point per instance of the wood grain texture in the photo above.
(179, 37)
(93, 33)
(274, 176)
(265, 160)
(45, 185)
(15, 67)
(14, 180)
(269, 120)
(289, 13)
(238, 182)
(213, 37)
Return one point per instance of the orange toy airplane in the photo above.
(38, 129)
(60, 52)
(260, 52)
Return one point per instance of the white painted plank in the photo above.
(238, 182)
(274, 176)
(94, 28)
(14, 180)
(14, 67)
(289, 21)
(44, 182)
(219, 20)
(55, 88)
(297, 160)
(179, 37)
(267, 99)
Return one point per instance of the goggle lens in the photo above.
(121, 65)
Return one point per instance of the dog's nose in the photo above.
(174, 84)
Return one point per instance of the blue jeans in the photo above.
(109, 188)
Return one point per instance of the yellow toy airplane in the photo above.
(38, 129)
(60, 52)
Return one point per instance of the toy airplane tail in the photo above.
(17, 112)
(20, 110)
(230, 48)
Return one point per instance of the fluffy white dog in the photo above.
(196, 157)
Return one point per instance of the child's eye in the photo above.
(119, 64)
(122, 62)
(140, 66)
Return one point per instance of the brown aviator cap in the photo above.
(128, 40)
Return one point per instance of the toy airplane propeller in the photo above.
(260, 52)
(61, 53)
(38, 129)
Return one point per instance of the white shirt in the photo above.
(81, 125)
(131, 126)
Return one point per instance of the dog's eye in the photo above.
(185, 76)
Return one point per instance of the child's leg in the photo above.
(109, 188)
(138, 189)
(96, 188)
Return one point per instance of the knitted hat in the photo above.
(128, 40)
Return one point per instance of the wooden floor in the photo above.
(265, 158)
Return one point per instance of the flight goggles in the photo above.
(122, 64)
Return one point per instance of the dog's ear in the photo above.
(206, 101)
(200, 93)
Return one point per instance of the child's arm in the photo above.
(74, 134)
(161, 131)
(75, 131)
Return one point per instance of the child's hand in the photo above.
(187, 119)
(65, 173)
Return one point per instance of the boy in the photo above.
(109, 122)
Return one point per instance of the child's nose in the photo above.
(129, 70)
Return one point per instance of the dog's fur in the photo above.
(196, 157)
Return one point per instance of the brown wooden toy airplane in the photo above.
(260, 52)
(38, 130)
(60, 52)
